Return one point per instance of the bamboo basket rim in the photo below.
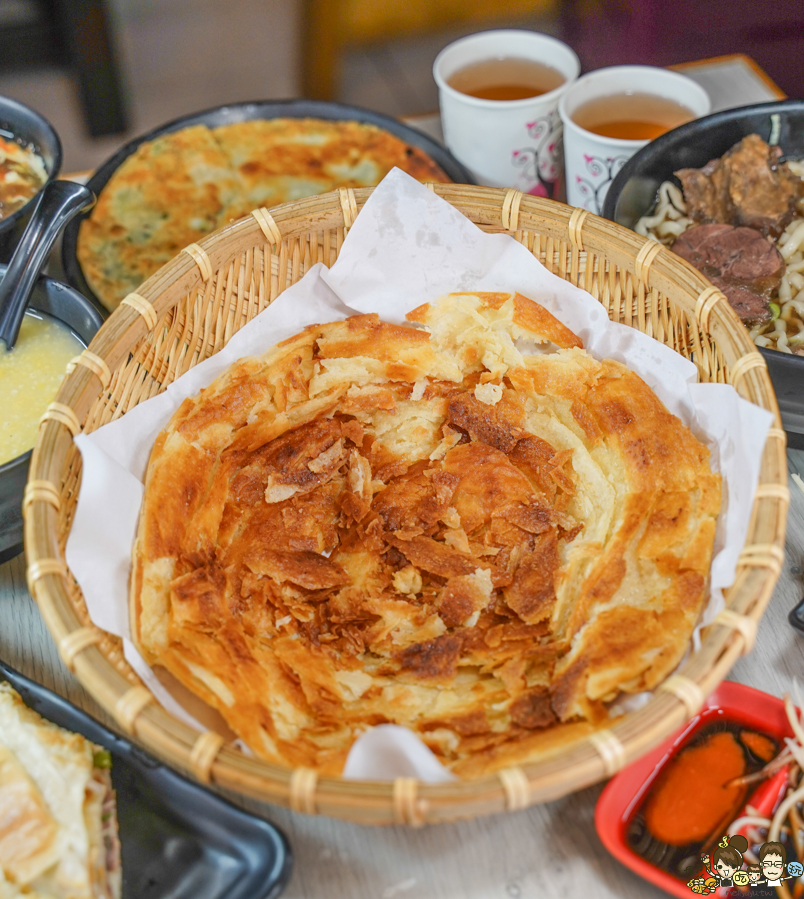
(628, 270)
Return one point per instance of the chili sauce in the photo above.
(691, 802)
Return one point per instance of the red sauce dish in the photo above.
(733, 706)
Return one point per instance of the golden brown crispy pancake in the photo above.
(174, 190)
(374, 523)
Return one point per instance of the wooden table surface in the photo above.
(546, 851)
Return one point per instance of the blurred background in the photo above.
(105, 70)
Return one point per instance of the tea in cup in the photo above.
(499, 93)
(611, 113)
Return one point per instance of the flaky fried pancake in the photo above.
(376, 523)
(178, 188)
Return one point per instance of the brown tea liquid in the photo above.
(506, 79)
(631, 116)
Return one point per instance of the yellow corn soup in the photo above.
(30, 375)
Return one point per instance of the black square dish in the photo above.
(178, 840)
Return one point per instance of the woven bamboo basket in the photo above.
(192, 306)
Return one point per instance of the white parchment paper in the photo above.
(406, 247)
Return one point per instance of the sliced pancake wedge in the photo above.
(58, 820)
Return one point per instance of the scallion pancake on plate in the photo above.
(170, 192)
(280, 160)
(174, 190)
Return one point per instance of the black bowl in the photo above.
(68, 306)
(243, 112)
(633, 193)
(29, 127)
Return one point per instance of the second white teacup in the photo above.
(505, 143)
(591, 161)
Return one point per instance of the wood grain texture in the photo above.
(546, 851)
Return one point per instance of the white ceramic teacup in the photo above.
(591, 161)
(505, 143)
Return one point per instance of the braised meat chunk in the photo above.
(763, 190)
(739, 222)
(746, 266)
(706, 192)
(747, 186)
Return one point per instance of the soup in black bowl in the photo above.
(56, 306)
(30, 157)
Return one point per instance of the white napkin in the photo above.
(406, 247)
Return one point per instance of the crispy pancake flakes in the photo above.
(423, 526)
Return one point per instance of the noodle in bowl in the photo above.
(785, 332)
(633, 196)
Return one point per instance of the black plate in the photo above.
(178, 840)
(243, 112)
(633, 192)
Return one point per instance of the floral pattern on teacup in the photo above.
(540, 164)
(601, 173)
